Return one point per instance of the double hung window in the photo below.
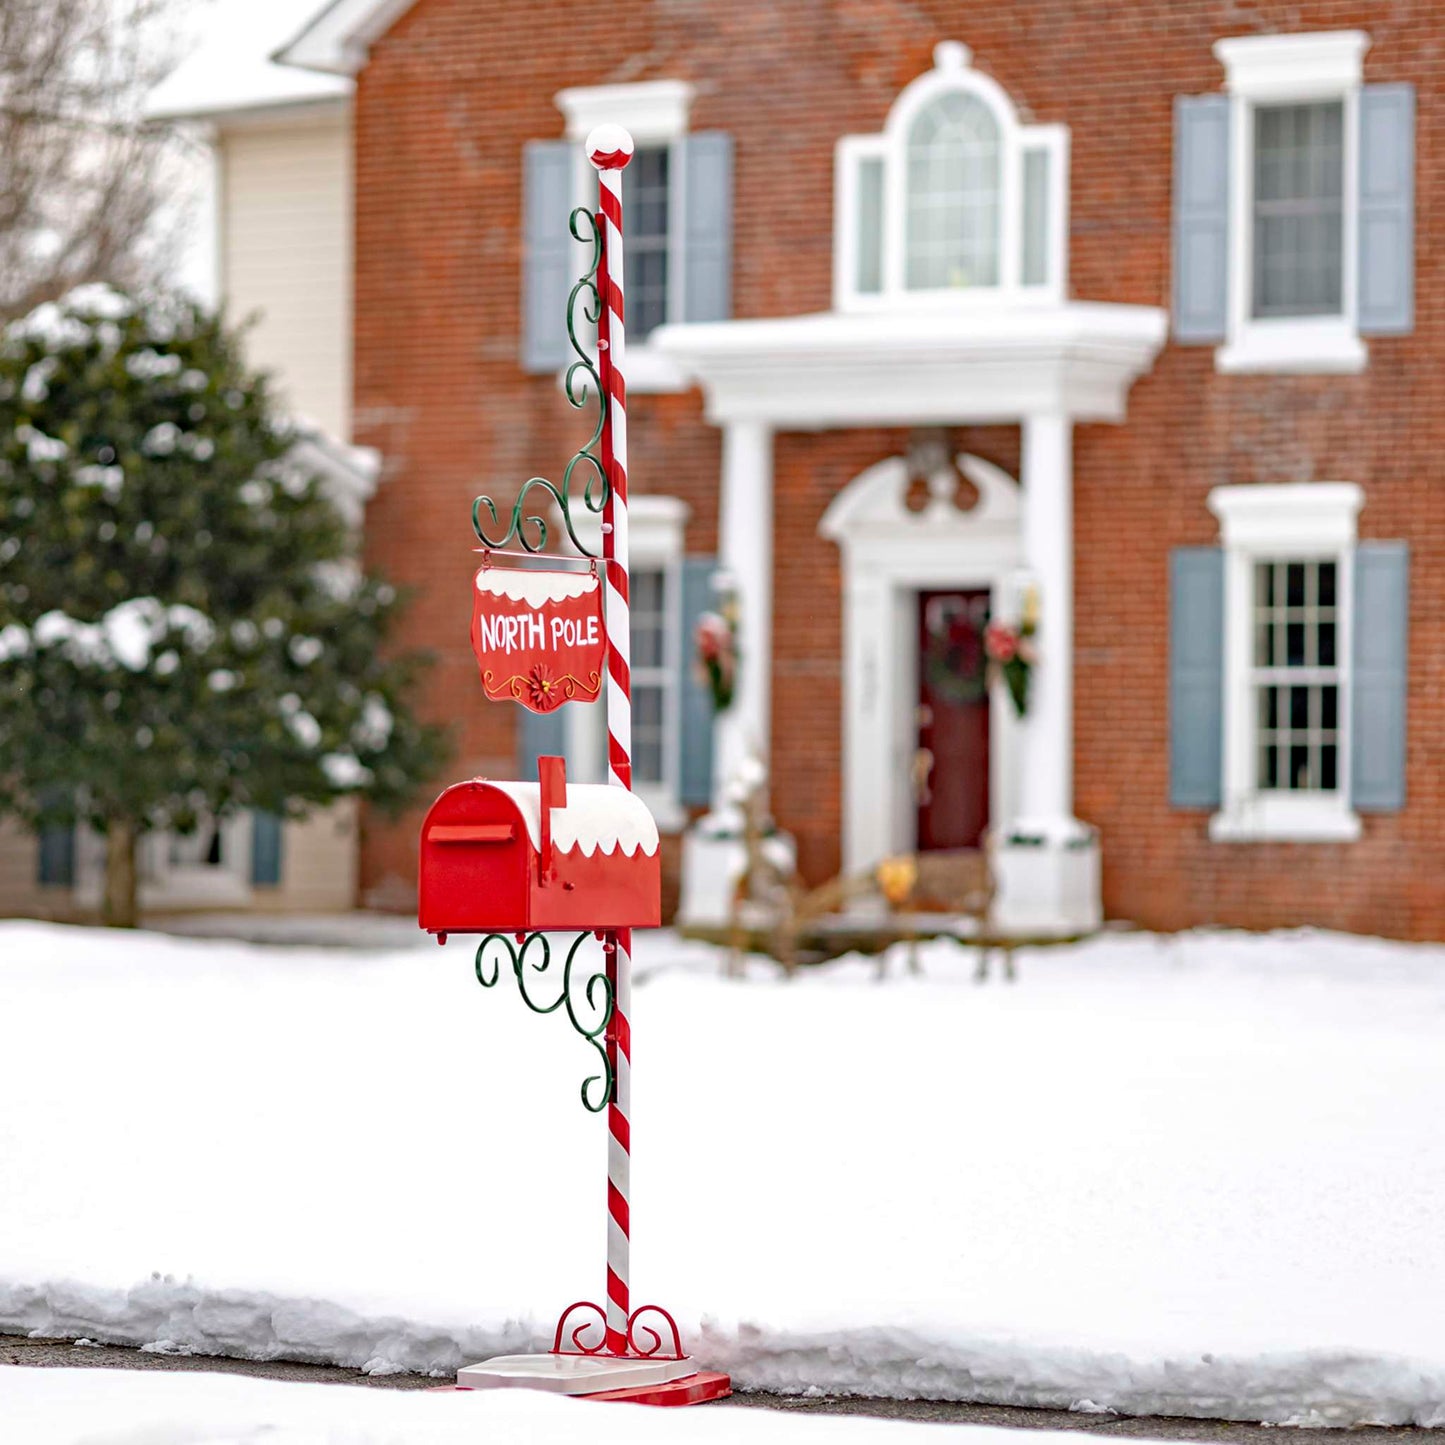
(1294, 206)
(1289, 556)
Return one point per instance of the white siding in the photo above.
(284, 224)
(285, 256)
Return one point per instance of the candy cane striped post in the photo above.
(609, 148)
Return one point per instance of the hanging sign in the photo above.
(539, 636)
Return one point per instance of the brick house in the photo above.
(1129, 322)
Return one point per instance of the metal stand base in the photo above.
(571, 1374)
(642, 1370)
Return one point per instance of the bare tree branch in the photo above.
(80, 166)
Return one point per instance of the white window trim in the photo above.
(163, 886)
(1263, 523)
(656, 113)
(952, 72)
(656, 527)
(1274, 70)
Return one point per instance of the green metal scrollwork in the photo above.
(582, 382)
(597, 994)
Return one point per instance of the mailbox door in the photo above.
(475, 859)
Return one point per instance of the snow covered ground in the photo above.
(132, 1407)
(1201, 1175)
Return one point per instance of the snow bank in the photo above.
(1196, 1176)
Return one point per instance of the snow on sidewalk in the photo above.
(145, 1407)
(1193, 1176)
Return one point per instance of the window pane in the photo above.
(647, 734)
(1295, 584)
(1299, 767)
(869, 279)
(1329, 708)
(1327, 584)
(1299, 708)
(1298, 209)
(648, 616)
(953, 195)
(645, 207)
(1329, 767)
(1036, 218)
(1264, 584)
(1268, 766)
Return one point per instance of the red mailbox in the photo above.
(513, 857)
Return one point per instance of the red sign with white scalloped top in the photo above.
(539, 637)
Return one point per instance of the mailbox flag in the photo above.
(539, 636)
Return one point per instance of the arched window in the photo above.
(953, 181)
(954, 202)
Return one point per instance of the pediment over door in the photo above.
(961, 516)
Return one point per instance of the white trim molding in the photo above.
(889, 555)
(1076, 359)
(654, 111)
(1301, 521)
(1286, 70)
(339, 38)
(952, 73)
(162, 884)
(1312, 66)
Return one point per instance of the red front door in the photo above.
(951, 766)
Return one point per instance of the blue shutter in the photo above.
(549, 254)
(539, 735)
(707, 181)
(266, 832)
(1381, 656)
(1196, 676)
(1387, 209)
(1201, 217)
(695, 709)
(55, 859)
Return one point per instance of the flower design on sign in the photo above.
(543, 691)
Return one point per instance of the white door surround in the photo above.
(890, 554)
(1041, 367)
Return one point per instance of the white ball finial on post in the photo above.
(609, 147)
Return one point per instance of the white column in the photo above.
(745, 553)
(1046, 784)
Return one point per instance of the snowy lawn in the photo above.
(1195, 1176)
(142, 1407)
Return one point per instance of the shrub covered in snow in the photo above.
(182, 631)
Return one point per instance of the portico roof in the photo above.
(984, 364)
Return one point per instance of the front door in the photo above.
(950, 775)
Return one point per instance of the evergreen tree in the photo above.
(183, 631)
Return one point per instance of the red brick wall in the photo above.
(443, 109)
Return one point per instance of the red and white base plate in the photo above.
(603, 1377)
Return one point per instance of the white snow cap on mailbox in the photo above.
(596, 818)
